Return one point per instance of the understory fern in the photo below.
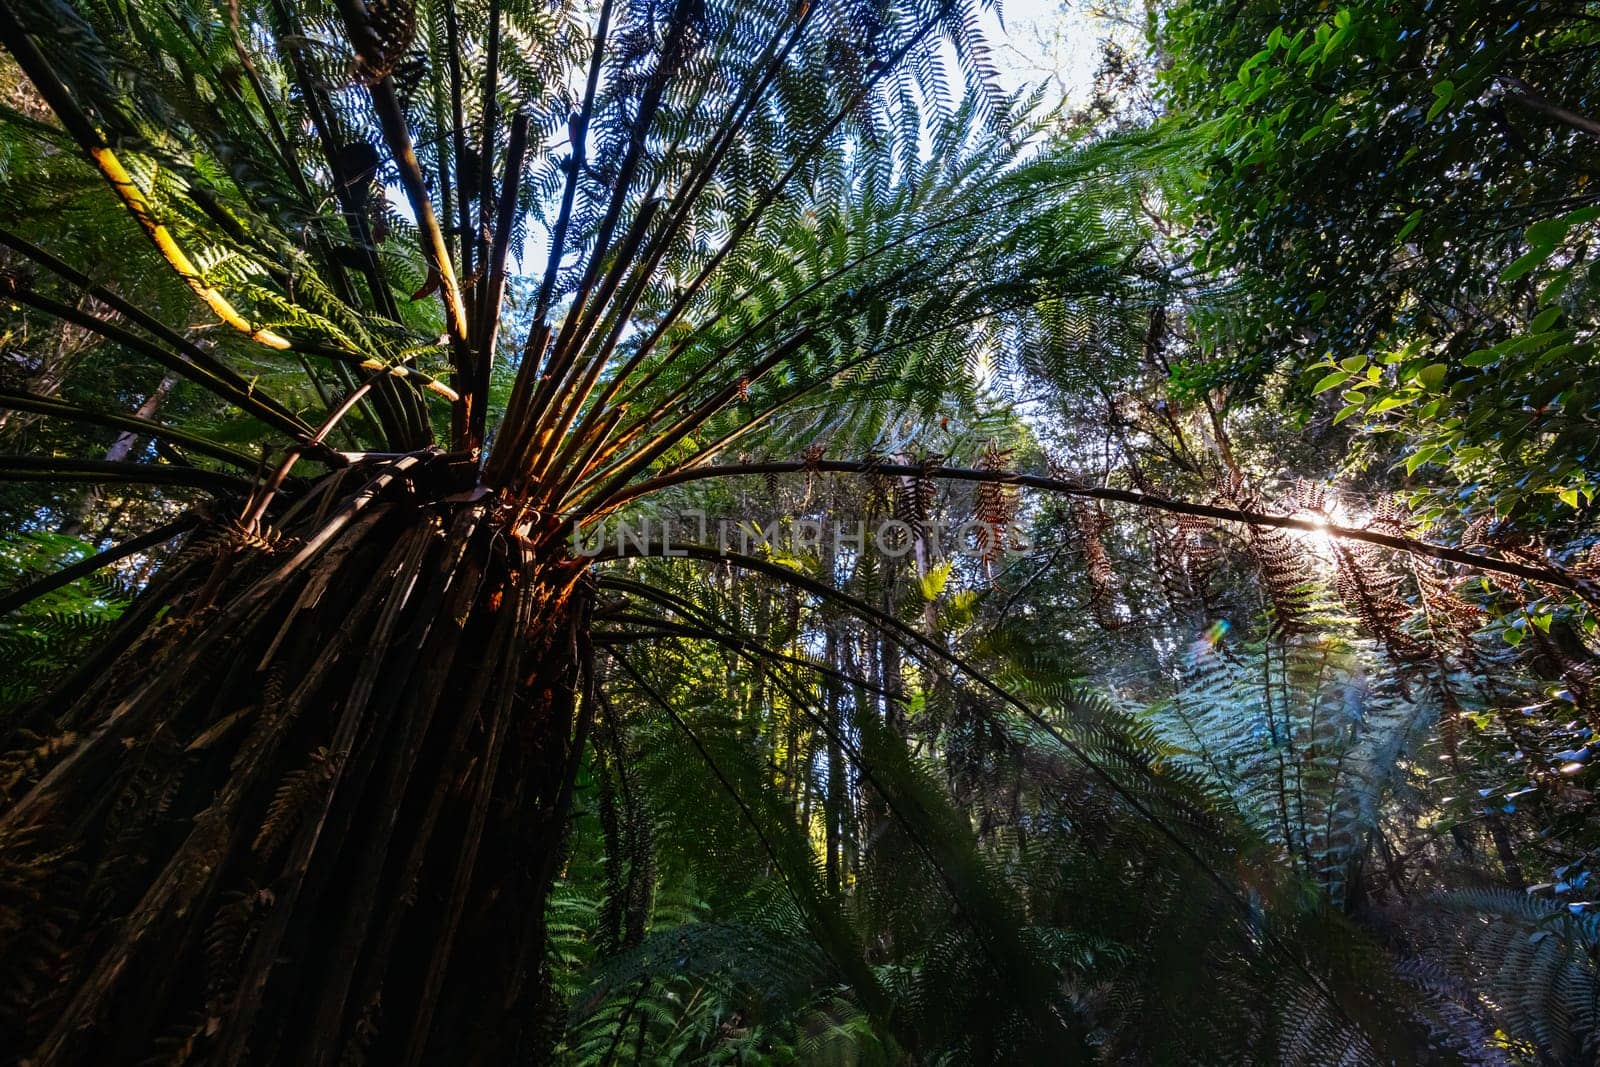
(1527, 962)
(1304, 732)
(43, 641)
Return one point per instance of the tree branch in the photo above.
(1525, 95)
(62, 468)
(17, 400)
(85, 567)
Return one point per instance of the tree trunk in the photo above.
(45, 379)
(308, 805)
(121, 448)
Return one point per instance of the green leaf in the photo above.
(1389, 403)
(1353, 364)
(1432, 376)
(1569, 497)
(917, 704)
(1547, 233)
(1524, 263)
(1481, 358)
(1328, 381)
(1345, 412)
(1443, 93)
(1413, 220)
(1418, 458)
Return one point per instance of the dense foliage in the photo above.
(427, 432)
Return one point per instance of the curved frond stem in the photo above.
(1549, 574)
(579, 134)
(493, 283)
(196, 364)
(16, 400)
(115, 472)
(458, 137)
(581, 318)
(133, 199)
(489, 120)
(83, 568)
(262, 499)
(249, 400)
(435, 250)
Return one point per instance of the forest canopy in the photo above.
(726, 531)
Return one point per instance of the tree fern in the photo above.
(360, 704)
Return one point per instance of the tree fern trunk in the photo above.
(308, 805)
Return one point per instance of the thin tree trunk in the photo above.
(121, 449)
(1506, 851)
(833, 801)
(71, 341)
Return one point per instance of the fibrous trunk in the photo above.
(306, 806)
